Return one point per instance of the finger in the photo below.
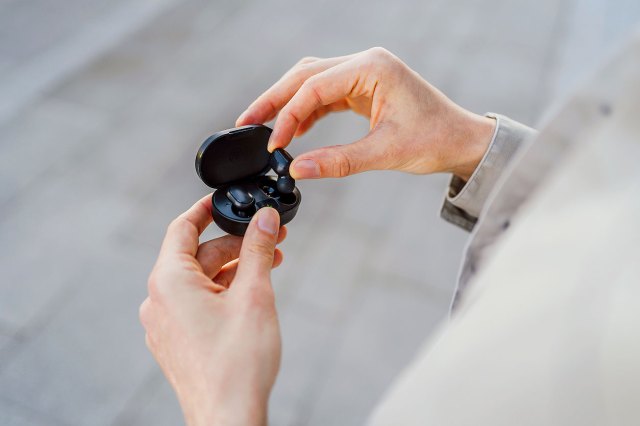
(144, 313)
(214, 254)
(216, 287)
(270, 102)
(320, 113)
(257, 252)
(183, 233)
(324, 88)
(228, 272)
(148, 342)
(368, 153)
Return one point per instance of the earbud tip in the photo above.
(286, 184)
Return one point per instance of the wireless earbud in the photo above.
(286, 184)
(241, 199)
(280, 161)
(235, 162)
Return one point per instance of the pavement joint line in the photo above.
(548, 67)
(28, 82)
(38, 323)
(130, 412)
(413, 285)
(6, 329)
(21, 407)
(306, 409)
(53, 307)
(9, 204)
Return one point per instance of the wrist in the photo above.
(471, 141)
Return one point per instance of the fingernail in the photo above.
(271, 144)
(306, 169)
(242, 117)
(268, 220)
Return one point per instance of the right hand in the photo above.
(413, 126)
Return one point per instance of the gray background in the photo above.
(102, 107)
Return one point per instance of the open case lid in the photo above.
(234, 154)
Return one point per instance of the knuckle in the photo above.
(260, 249)
(154, 286)
(292, 115)
(152, 282)
(144, 314)
(342, 165)
(302, 68)
(380, 53)
(181, 224)
(299, 73)
(216, 252)
(175, 225)
(380, 58)
(313, 89)
(149, 342)
(307, 60)
(260, 298)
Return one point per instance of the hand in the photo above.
(413, 127)
(211, 320)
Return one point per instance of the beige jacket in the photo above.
(546, 324)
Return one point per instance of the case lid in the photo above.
(234, 154)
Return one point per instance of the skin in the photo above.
(210, 317)
(414, 128)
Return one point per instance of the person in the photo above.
(545, 324)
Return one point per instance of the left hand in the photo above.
(211, 320)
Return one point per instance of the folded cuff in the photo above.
(465, 200)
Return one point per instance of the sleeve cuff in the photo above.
(465, 200)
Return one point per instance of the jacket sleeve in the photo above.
(465, 200)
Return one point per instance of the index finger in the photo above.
(270, 102)
(184, 232)
(320, 90)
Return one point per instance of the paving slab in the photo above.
(420, 246)
(326, 280)
(155, 404)
(5, 341)
(52, 133)
(88, 359)
(44, 42)
(384, 331)
(309, 340)
(47, 238)
(13, 415)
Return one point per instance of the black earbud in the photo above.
(280, 161)
(241, 199)
(285, 184)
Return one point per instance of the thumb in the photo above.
(258, 247)
(368, 153)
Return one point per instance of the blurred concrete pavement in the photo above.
(102, 108)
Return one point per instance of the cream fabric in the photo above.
(547, 331)
(465, 200)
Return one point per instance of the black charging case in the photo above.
(239, 156)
